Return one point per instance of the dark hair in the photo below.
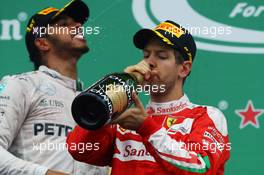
(33, 51)
(178, 56)
(35, 57)
(179, 60)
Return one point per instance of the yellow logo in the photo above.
(171, 121)
(47, 11)
(31, 25)
(122, 129)
(166, 40)
(188, 53)
(62, 9)
(168, 27)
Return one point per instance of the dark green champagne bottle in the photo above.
(104, 100)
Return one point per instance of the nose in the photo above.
(151, 60)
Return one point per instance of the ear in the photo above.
(42, 44)
(185, 69)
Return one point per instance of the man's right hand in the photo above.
(51, 172)
(141, 68)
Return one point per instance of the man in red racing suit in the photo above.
(173, 136)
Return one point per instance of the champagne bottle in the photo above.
(104, 100)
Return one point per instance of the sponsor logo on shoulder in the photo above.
(213, 139)
(3, 100)
(51, 103)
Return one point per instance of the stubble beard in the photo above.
(167, 86)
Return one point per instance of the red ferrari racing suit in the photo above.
(177, 138)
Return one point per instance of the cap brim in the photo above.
(142, 37)
(76, 9)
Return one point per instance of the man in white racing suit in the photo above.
(35, 107)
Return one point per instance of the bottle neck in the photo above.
(137, 77)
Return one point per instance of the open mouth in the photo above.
(79, 36)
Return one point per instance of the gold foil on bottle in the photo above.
(118, 96)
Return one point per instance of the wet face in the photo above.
(165, 71)
(67, 36)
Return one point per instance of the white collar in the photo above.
(66, 81)
(170, 107)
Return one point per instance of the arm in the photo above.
(103, 145)
(14, 107)
(189, 155)
(105, 137)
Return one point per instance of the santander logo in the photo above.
(171, 108)
(165, 109)
(132, 150)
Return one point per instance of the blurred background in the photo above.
(226, 72)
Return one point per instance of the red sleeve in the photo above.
(92, 147)
(199, 150)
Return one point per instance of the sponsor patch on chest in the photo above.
(132, 150)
